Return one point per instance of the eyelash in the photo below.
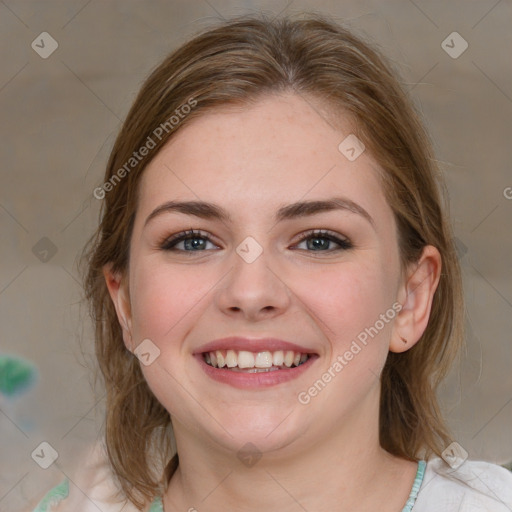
(169, 243)
(344, 243)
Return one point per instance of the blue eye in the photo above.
(196, 241)
(193, 241)
(321, 241)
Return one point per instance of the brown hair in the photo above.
(235, 63)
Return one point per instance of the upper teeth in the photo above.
(245, 359)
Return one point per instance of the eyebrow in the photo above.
(206, 210)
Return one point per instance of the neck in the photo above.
(346, 470)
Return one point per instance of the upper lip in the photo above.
(252, 345)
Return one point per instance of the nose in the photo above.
(253, 291)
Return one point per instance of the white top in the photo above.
(475, 486)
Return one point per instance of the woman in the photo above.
(275, 288)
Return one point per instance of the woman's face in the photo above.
(250, 275)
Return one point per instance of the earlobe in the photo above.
(416, 296)
(117, 287)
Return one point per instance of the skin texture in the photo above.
(251, 161)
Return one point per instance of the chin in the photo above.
(263, 432)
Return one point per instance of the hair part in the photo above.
(236, 63)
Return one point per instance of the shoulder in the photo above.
(93, 488)
(472, 487)
(53, 497)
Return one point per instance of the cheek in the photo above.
(347, 303)
(165, 301)
(166, 305)
(346, 297)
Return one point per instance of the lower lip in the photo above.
(244, 380)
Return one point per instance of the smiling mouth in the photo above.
(255, 362)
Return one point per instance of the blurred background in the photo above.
(70, 71)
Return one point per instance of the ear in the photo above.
(416, 295)
(118, 289)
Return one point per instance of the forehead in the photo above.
(280, 149)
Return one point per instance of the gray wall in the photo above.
(59, 118)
